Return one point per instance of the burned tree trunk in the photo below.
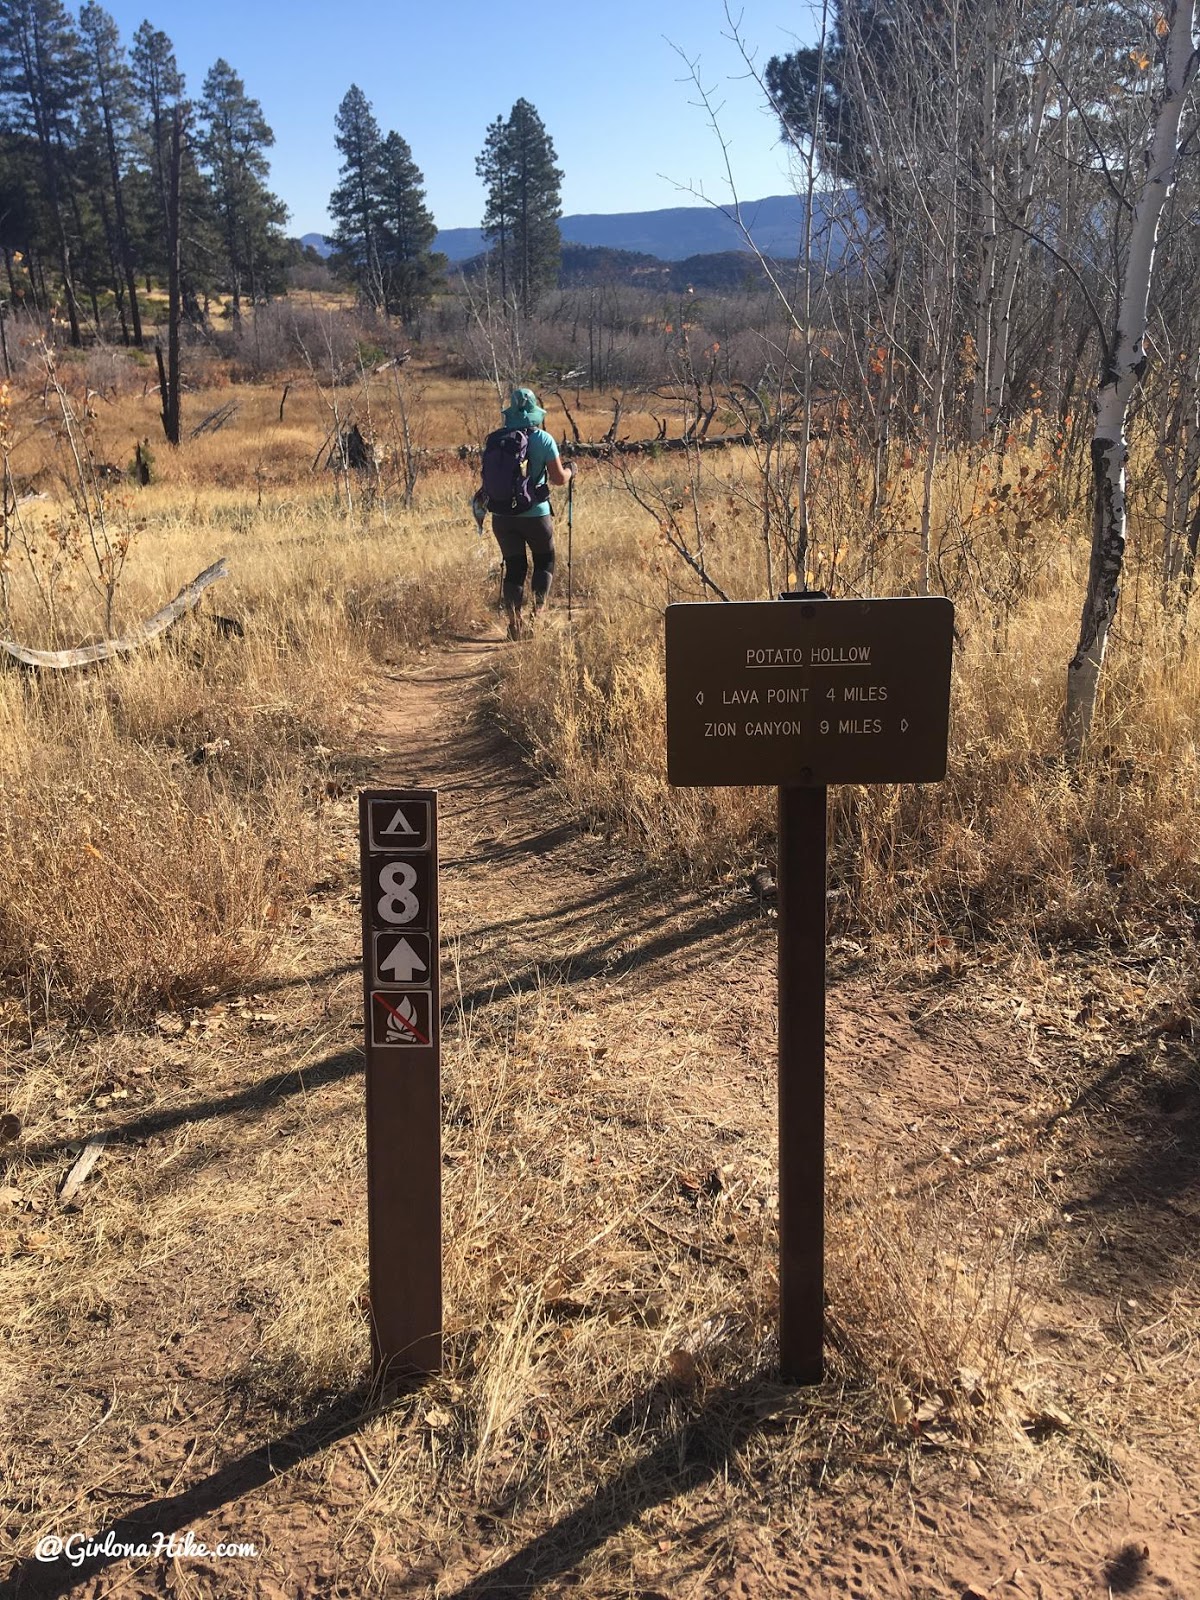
(169, 379)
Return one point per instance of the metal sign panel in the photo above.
(402, 1004)
(808, 692)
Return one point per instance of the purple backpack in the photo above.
(506, 485)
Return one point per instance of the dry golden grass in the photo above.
(1012, 845)
(161, 814)
(168, 823)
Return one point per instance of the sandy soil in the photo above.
(964, 1077)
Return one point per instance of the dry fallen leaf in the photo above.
(972, 1385)
(900, 1408)
(35, 1243)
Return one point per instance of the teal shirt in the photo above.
(542, 450)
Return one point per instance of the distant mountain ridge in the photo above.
(775, 224)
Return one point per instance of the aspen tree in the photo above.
(1123, 363)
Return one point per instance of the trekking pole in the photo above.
(570, 522)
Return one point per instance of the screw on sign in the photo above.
(803, 695)
(402, 998)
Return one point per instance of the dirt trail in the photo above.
(528, 895)
(256, 1126)
(687, 980)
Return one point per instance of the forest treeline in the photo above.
(114, 181)
(106, 165)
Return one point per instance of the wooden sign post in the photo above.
(803, 695)
(402, 1012)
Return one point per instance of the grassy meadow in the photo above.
(108, 784)
(1014, 846)
(164, 821)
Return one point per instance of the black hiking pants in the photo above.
(513, 534)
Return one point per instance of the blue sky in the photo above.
(604, 78)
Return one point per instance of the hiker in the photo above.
(520, 461)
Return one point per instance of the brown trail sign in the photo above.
(812, 692)
(402, 1024)
(803, 695)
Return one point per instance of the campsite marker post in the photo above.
(801, 696)
(402, 1004)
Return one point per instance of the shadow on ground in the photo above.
(179, 1512)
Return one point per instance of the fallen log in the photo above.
(622, 447)
(653, 447)
(86, 655)
(603, 449)
(215, 420)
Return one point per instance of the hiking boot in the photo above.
(515, 630)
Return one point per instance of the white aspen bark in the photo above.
(1003, 302)
(1123, 366)
(873, 108)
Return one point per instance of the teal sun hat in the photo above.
(523, 410)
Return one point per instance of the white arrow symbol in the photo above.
(700, 698)
(903, 725)
(399, 824)
(403, 963)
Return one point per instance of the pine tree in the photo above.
(22, 222)
(523, 203)
(537, 240)
(40, 80)
(158, 88)
(95, 259)
(493, 166)
(110, 102)
(411, 272)
(234, 136)
(355, 204)
(159, 92)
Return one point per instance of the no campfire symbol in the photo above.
(401, 1019)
